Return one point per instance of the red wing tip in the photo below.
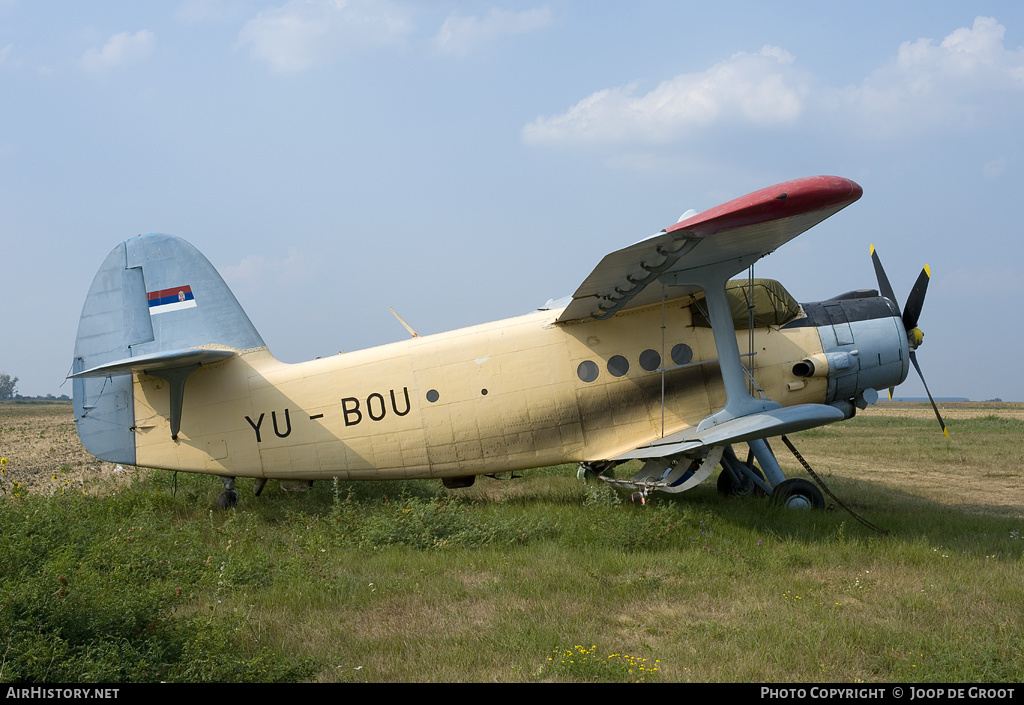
(803, 195)
(825, 188)
(823, 182)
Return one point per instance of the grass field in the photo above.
(123, 575)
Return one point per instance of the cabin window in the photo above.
(682, 354)
(618, 366)
(650, 360)
(587, 371)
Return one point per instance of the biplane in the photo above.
(663, 355)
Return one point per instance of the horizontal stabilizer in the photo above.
(764, 424)
(167, 360)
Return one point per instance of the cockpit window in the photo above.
(773, 305)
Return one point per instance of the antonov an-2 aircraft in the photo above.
(643, 362)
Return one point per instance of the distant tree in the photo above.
(7, 386)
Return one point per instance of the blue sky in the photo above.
(467, 161)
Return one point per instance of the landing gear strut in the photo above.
(740, 479)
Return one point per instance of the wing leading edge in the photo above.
(774, 422)
(727, 238)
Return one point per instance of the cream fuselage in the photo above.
(490, 398)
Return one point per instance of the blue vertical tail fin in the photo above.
(154, 300)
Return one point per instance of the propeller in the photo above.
(911, 313)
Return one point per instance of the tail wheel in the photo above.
(227, 499)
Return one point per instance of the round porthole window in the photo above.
(650, 360)
(682, 354)
(587, 371)
(433, 396)
(618, 366)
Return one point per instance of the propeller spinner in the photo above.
(911, 313)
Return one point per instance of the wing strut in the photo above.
(712, 279)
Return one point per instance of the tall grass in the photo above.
(539, 578)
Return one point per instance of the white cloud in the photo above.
(256, 272)
(953, 84)
(122, 48)
(995, 168)
(967, 80)
(757, 89)
(459, 35)
(302, 34)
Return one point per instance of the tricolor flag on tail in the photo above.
(170, 300)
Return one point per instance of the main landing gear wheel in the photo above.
(798, 493)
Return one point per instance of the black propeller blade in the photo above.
(884, 288)
(942, 424)
(911, 313)
(912, 309)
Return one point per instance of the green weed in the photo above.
(407, 581)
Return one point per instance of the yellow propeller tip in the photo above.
(872, 249)
(928, 271)
(946, 432)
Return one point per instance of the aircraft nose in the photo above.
(864, 347)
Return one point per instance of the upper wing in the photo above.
(741, 230)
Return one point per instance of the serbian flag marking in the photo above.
(170, 300)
